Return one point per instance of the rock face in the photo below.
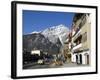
(38, 41)
(50, 40)
(55, 32)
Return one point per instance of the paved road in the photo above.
(73, 65)
(35, 66)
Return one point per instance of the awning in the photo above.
(79, 51)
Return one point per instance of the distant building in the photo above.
(81, 38)
(35, 52)
(67, 49)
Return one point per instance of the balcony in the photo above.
(73, 32)
(77, 34)
(77, 46)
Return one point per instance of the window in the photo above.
(78, 40)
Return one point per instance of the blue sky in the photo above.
(40, 20)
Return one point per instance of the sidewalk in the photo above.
(73, 65)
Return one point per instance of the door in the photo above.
(87, 59)
(77, 59)
(80, 58)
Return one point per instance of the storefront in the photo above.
(81, 57)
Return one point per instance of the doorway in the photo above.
(87, 58)
(80, 58)
(77, 59)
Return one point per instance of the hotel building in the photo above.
(81, 39)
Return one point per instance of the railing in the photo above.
(77, 46)
(77, 35)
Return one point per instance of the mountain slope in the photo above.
(53, 33)
(49, 40)
(38, 41)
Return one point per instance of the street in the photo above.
(41, 66)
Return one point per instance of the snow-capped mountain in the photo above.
(55, 32)
(49, 40)
(39, 42)
(35, 32)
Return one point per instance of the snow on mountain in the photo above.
(49, 40)
(56, 32)
(35, 32)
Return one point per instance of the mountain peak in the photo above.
(55, 32)
(35, 32)
(57, 27)
(61, 25)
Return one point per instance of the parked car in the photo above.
(40, 61)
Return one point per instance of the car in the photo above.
(40, 61)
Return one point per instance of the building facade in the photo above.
(67, 48)
(81, 38)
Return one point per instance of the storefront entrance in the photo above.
(87, 58)
(80, 56)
